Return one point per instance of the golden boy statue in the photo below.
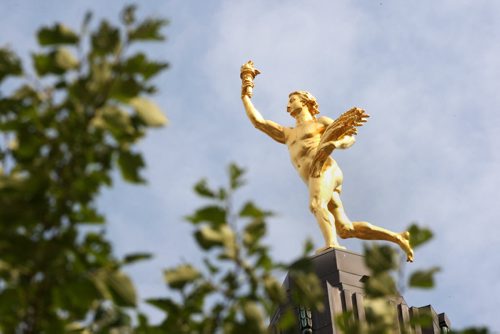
(310, 143)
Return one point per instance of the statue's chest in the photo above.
(305, 132)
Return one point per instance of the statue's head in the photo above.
(308, 100)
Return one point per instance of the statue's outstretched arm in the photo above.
(272, 129)
(247, 73)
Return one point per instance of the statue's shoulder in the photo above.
(287, 130)
(325, 120)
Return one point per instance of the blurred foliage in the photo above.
(236, 290)
(381, 293)
(66, 126)
(381, 288)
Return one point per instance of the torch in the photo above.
(247, 74)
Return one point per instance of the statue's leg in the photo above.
(364, 230)
(318, 204)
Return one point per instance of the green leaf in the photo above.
(202, 189)
(56, 35)
(231, 283)
(148, 30)
(303, 264)
(222, 194)
(148, 111)
(125, 88)
(255, 320)
(195, 300)
(274, 290)
(236, 176)
(419, 235)
(128, 14)
(10, 64)
(75, 327)
(213, 269)
(143, 322)
(347, 323)
(122, 289)
(75, 294)
(423, 279)
(264, 261)
(307, 290)
(380, 285)
(56, 62)
(65, 59)
(86, 20)
(308, 247)
(423, 319)
(116, 120)
(253, 232)
(208, 237)
(87, 215)
(380, 315)
(10, 299)
(252, 211)
(139, 64)
(44, 64)
(380, 258)
(109, 319)
(288, 320)
(178, 277)
(26, 146)
(164, 304)
(106, 40)
(215, 215)
(130, 164)
(135, 257)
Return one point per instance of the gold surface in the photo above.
(310, 144)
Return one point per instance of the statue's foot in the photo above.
(327, 248)
(404, 243)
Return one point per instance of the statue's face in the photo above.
(294, 105)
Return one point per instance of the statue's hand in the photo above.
(344, 142)
(247, 73)
(246, 91)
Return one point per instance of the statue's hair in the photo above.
(308, 99)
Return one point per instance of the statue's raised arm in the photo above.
(247, 74)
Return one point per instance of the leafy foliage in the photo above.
(380, 288)
(10, 64)
(64, 133)
(423, 278)
(236, 291)
(419, 235)
(56, 35)
(379, 314)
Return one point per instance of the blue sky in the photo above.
(428, 74)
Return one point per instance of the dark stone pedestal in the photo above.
(342, 274)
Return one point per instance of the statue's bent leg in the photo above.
(364, 230)
(319, 208)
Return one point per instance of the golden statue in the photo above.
(310, 144)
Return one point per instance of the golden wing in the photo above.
(344, 125)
